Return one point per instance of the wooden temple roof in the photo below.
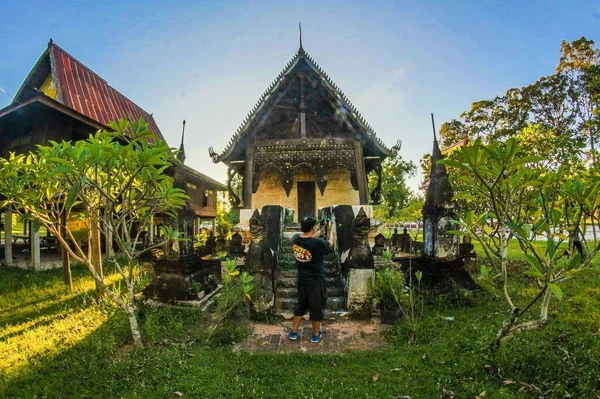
(63, 78)
(302, 93)
(210, 183)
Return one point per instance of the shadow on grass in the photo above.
(74, 372)
(38, 324)
(58, 306)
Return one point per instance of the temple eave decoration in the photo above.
(319, 158)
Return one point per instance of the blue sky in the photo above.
(208, 62)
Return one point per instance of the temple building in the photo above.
(62, 99)
(303, 145)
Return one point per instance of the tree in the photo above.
(562, 103)
(525, 201)
(453, 132)
(115, 180)
(580, 65)
(394, 192)
(413, 211)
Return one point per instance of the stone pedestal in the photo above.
(359, 294)
(263, 297)
(173, 281)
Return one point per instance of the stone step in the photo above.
(330, 314)
(333, 303)
(289, 258)
(292, 292)
(291, 282)
(293, 273)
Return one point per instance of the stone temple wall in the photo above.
(338, 191)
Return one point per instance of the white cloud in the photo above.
(384, 91)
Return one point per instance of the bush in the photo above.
(388, 288)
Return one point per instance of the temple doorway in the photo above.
(306, 199)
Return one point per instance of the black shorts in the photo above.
(313, 298)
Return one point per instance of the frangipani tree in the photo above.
(523, 200)
(115, 179)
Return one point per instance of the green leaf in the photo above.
(534, 273)
(453, 164)
(517, 230)
(556, 291)
(35, 225)
(551, 247)
(573, 261)
(71, 196)
(527, 159)
(465, 196)
(533, 262)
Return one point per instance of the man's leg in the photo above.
(316, 325)
(318, 300)
(300, 309)
(296, 323)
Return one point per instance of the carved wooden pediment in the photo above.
(319, 157)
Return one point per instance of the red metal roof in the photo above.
(84, 91)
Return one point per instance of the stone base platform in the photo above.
(340, 336)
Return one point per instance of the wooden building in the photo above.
(203, 196)
(304, 145)
(62, 99)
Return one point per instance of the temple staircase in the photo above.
(286, 295)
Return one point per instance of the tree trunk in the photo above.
(133, 323)
(66, 260)
(545, 306)
(592, 149)
(504, 264)
(96, 255)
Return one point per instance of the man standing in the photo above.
(309, 249)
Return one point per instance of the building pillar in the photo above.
(34, 247)
(361, 174)
(8, 257)
(248, 178)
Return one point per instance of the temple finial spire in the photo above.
(300, 28)
(182, 133)
(436, 154)
(181, 147)
(433, 126)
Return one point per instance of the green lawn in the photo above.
(59, 344)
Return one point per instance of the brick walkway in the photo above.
(340, 336)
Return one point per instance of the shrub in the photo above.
(388, 288)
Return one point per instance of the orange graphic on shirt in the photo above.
(301, 254)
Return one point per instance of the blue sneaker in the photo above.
(293, 336)
(315, 339)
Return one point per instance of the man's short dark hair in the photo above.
(307, 224)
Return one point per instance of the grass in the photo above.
(59, 344)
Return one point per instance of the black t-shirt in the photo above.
(309, 254)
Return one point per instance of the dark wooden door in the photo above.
(306, 199)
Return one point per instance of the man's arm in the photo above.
(331, 238)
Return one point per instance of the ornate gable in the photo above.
(302, 103)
